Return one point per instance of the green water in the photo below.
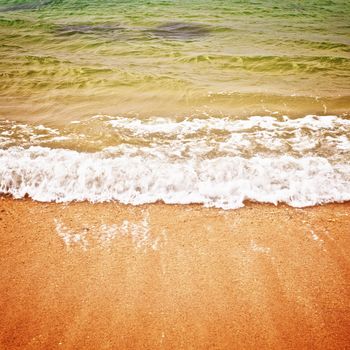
(65, 60)
(212, 102)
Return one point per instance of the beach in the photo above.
(157, 276)
(174, 174)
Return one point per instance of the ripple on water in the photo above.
(94, 29)
(180, 30)
(35, 5)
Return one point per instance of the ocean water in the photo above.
(213, 102)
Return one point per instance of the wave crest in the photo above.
(226, 182)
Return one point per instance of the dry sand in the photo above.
(110, 276)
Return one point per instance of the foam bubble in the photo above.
(207, 137)
(64, 175)
(104, 234)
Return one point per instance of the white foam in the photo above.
(187, 126)
(104, 234)
(63, 175)
(325, 136)
(258, 248)
(314, 236)
(71, 237)
(139, 232)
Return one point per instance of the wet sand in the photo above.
(110, 276)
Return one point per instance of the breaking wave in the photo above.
(225, 182)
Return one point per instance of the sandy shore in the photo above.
(109, 276)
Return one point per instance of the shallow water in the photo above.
(182, 86)
(72, 59)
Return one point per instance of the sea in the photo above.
(138, 101)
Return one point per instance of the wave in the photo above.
(288, 64)
(59, 175)
(35, 5)
(205, 137)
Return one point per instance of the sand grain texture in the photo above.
(110, 276)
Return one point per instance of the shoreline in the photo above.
(158, 276)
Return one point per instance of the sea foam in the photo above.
(60, 175)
